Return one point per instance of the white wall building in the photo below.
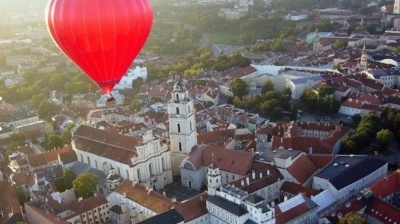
(345, 176)
(132, 74)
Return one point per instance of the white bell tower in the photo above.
(182, 125)
(213, 178)
(316, 41)
(396, 7)
(363, 65)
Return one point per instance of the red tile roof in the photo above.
(81, 206)
(296, 189)
(261, 179)
(233, 161)
(193, 207)
(320, 161)
(8, 201)
(151, 200)
(387, 185)
(284, 217)
(353, 204)
(32, 212)
(114, 146)
(21, 178)
(383, 212)
(302, 169)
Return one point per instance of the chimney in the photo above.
(253, 174)
(261, 175)
(272, 203)
(247, 180)
(268, 173)
(174, 199)
(242, 182)
(80, 199)
(165, 194)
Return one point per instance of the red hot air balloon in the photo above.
(102, 37)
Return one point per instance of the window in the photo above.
(177, 110)
(177, 96)
(190, 126)
(179, 131)
(138, 175)
(180, 146)
(189, 109)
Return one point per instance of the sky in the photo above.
(16, 5)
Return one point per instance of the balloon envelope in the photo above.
(102, 37)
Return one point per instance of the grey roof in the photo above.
(53, 172)
(269, 155)
(306, 79)
(324, 199)
(249, 221)
(254, 199)
(116, 209)
(227, 205)
(345, 170)
(264, 208)
(377, 73)
(79, 168)
(68, 157)
(168, 217)
(179, 86)
(113, 177)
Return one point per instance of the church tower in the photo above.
(363, 65)
(316, 41)
(213, 178)
(396, 7)
(182, 125)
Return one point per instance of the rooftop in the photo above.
(345, 170)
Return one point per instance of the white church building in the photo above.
(141, 160)
(132, 74)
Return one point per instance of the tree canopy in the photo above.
(65, 182)
(239, 88)
(85, 185)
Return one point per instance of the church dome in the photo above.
(179, 86)
(113, 177)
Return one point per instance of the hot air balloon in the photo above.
(102, 37)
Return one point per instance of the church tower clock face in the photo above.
(182, 125)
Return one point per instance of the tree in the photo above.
(309, 98)
(54, 141)
(338, 44)
(69, 177)
(239, 88)
(85, 185)
(384, 138)
(352, 218)
(268, 86)
(65, 182)
(21, 196)
(46, 109)
(137, 83)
